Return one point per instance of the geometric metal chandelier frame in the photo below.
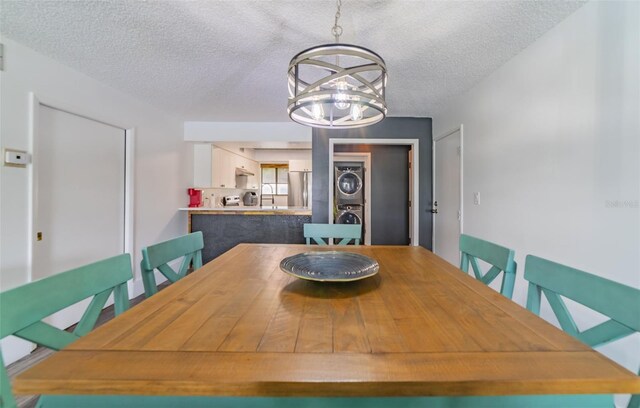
(337, 85)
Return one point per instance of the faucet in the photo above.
(262, 195)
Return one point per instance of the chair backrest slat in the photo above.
(90, 316)
(54, 293)
(46, 335)
(23, 308)
(184, 266)
(344, 232)
(562, 312)
(620, 303)
(604, 333)
(500, 258)
(157, 256)
(317, 240)
(489, 252)
(169, 273)
(612, 299)
(167, 251)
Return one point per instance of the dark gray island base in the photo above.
(224, 230)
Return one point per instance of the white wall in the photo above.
(237, 148)
(246, 131)
(281, 155)
(552, 143)
(162, 166)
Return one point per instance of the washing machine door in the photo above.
(348, 217)
(349, 183)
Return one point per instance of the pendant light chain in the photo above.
(337, 29)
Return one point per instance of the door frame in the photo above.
(459, 129)
(366, 158)
(35, 103)
(414, 228)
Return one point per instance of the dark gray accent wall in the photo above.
(390, 190)
(221, 232)
(390, 128)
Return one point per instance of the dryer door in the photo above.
(348, 217)
(349, 183)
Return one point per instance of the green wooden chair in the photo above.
(159, 255)
(620, 303)
(500, 258)
(344, 232)
(23, 308)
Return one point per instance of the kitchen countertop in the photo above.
(254, 210)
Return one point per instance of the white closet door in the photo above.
(79, 166)
(446, 221)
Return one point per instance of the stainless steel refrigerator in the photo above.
(299, 189)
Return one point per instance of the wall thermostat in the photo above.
(15, 158)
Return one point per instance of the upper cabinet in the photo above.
(214, 167)
(202, 166)
(299, 165)
(253, 181)
(223, 168)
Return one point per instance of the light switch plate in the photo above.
(476, 198)
(16, 158)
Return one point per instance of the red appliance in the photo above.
(195, 197)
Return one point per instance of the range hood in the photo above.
(243, 172)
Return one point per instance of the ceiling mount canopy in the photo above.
(337, 86)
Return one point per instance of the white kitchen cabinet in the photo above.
(254, 181)
(251, 166)
(299, 165)
(223, 169)
(202, 166)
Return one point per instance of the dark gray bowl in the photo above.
(330, 266)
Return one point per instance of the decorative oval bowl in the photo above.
(330, 266)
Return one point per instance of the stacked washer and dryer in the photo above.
(349, 193)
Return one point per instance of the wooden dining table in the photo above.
(241, 332)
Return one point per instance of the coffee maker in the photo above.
(195, 197)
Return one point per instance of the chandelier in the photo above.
(337, 86)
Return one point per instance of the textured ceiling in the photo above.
(227, 60)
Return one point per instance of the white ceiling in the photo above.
(227, 60)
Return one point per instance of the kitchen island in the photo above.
(225, 227)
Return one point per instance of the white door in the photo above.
(79, 166)
(410, 158)
(447, 157)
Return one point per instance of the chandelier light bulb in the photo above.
(356, 112)
(317, 112)
(342, 99)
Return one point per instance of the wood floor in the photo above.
(40, 353)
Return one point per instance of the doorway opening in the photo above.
(363, 158)
(413, 171)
